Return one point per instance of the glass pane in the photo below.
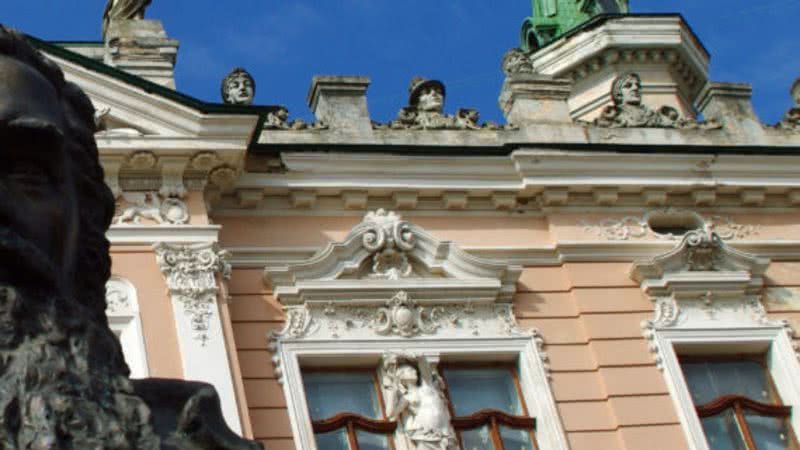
(369, 441)
(770, 433)
(516, 439)
(472, 390)
(709, 380)
(329, 394)
(722, 432)
(477, 439)
(335, 440)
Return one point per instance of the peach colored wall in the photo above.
(608, 390)
(254, 312)
(158, 326)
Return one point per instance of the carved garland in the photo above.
(635, 227)
(191, 279)
(403, 317)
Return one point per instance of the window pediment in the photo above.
(703, 262)
(385, 254)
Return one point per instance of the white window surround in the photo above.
(707, 300)
(123, 318)
(368, 295)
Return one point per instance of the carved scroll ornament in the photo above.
(191, 279)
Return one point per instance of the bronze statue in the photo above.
(123, 10)
(63, 380)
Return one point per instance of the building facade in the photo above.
(603, 271)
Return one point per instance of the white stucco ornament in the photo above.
(150, 206)
(191, 279)
(414, 394)
(389, 239)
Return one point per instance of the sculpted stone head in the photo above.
(795, 91)
(54, 205)
(238, 88)
(408, 375)
(426, 95)
(627, 90)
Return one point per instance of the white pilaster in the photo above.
(191, 271)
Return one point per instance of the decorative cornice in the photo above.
(191, 272)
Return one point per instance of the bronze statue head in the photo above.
(54, 205)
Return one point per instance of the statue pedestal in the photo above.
(142, 48)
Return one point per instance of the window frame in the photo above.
(374, 426)
(780, 358)
(494, 427)
(533, 377)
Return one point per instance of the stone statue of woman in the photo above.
(123, 10)
(414, 397)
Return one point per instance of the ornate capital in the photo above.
(191, 279)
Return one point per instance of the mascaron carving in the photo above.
(414, 393)
(425, 111)
(628, 111)
(634, 227)
(191, 279)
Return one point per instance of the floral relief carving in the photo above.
(191, 272)
(638, 227)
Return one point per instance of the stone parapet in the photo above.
(730, 104)
(340, 102)
(528, 98)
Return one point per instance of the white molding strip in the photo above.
(151, 234)
(564, 251)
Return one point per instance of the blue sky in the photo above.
(283, 43)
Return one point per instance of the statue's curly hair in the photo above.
(92, 266)
(616, 85)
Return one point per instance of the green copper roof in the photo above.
(552, 18)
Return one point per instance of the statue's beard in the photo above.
(24, 265)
